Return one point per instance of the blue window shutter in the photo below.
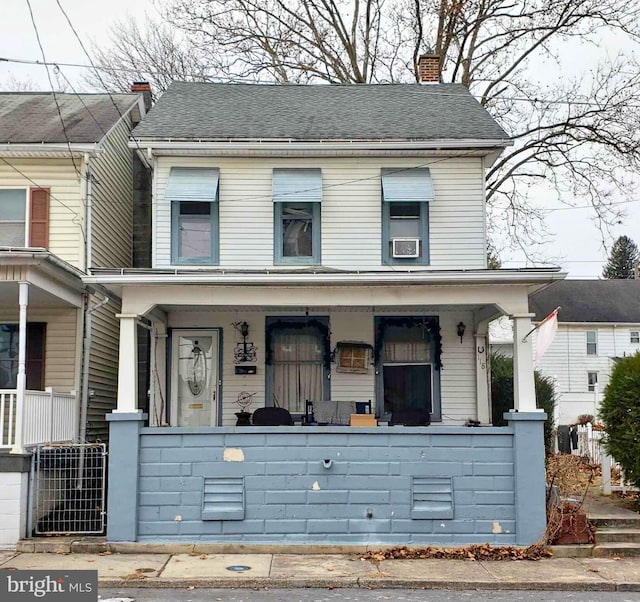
(407, 185)
(193, 184)
(297, 185)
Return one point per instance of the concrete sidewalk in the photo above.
(339, 571)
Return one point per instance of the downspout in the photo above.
(86, 356)
(88, 250)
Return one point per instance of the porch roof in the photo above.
(54, 281)
(320, 275)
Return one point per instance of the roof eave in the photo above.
(49, 149)
(166, 144)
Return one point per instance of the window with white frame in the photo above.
(634, 337)
(13, 217)
(406, 194)
(592, 381)
(592, 342)
(297, 195)
(193, 193)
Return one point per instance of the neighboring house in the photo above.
(599, 322)
(324, 244)
(501, 337)
(66, 203)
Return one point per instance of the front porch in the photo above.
(421, 347)
(180, 470)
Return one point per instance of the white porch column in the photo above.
(524, 391)
(21, 381)
(482, 375)
(128, 364)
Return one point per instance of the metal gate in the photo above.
(69, 482)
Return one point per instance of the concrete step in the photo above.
(615, 522)
(615, 535)
(609, 550)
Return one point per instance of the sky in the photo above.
(574, 241)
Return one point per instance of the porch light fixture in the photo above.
(460, 330)
(244, 351)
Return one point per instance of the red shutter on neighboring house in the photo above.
(39, 218)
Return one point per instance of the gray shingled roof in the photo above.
(590, 301)
(318, 112)
(32, 117)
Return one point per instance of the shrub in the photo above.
(502, 395)
(620, 414)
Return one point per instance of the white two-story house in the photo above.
(599, 322)
(314, 247)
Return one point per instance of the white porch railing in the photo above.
(48, 417)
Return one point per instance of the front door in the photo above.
(194, 377)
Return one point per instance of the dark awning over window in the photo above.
(407, 185)
(193, 184)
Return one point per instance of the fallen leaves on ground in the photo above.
(474, 552)
(136, 575)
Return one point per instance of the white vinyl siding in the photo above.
(567, 362)
(66, 211)
(60, 344)
(351, 210)
(458, 382)
(112, 202)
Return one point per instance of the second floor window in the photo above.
(592, 342)
(297, 194)
(406, 194)
(634, 336)
(13, 217)
(193, 192)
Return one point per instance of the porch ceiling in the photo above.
(38, 297)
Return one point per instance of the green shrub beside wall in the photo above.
(502, 395)
(620, 414)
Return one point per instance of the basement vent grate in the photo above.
(223, 498)
(432, 497)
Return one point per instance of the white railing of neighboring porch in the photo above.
(48, 417)
(590, 446)
(590, 443)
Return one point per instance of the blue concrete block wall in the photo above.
(368, 494)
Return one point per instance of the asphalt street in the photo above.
(357, 595)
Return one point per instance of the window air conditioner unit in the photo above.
(405, 248)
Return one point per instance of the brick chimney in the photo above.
(143, 88)
(429, 68)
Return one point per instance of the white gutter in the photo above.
(353, 279)
(351, 145)
(56, 148)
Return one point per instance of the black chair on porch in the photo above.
(409, 417)
(272, 416)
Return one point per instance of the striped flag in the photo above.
(546, 333)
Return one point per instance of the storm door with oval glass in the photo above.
(194, 377)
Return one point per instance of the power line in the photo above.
(79, 97)
(76, 216)
(55, 98)
(96, 70)
(219, 79)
